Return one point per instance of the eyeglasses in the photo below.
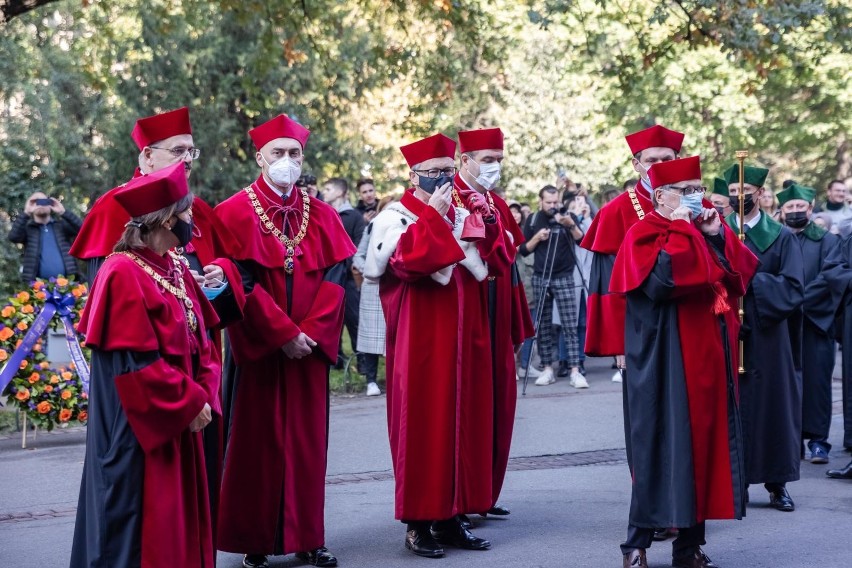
(434, 173)
(688, 190)
(181, 151)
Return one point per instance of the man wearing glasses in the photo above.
(502, 293)
(163, 139)
(771, 388)
(682, 271)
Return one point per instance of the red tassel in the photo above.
(720, 303)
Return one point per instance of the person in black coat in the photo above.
(46, 230)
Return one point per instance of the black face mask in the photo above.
(720, 211)
(796, 219)
(183, 231)
(748, 206)
(429, 185)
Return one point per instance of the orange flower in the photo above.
(83, 416)
(44, 365)
(18, 343)
(8, 311)
(27, 309)
(23, 394)
(67, 375)
(37, 348)
(76, 292)
(81, 288)
(34, 378)
(54, 379)
(40, 295)
(23, 297)
(71, 365)
(66, 394)
(38, 285)
(48, 388)
(6, 333)
(64, 415)
(24, 364)
(22, 325)
(3, 355)
(61, 281)
(43, 407)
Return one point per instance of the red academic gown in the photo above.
(510, 322)
(273, 487)
(144, 494)
(440, 404)
(681, 339)
(604, 310)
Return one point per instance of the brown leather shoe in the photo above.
(696, 560)
(635, 559)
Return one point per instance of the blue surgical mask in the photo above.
(693, 202)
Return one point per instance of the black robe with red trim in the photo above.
(683, 430)
(510, 324)
(273, 486)
(604, 310)
(144, 494)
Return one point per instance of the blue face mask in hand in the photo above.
(213, 293)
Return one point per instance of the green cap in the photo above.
(720, 187)
(753, 175)
(796, 191)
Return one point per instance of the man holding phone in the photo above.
(46, 230)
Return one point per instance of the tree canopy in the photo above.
(565, 79)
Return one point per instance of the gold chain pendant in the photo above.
(289, 244)
(636, 205)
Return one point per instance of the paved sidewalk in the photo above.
(568, 489)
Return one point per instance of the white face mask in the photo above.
(284, 172)
(489, 174)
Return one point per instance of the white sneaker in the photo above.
(578, 381)
(373, 389)
(533, 372)
(616, 378)
(545, 378)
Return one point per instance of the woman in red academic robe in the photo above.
(154, 387)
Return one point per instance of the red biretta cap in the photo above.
(673, 171)
(435, 146)
(161, 126)
(483, 139)
(155, 191)
(282, 126)
(655, 137)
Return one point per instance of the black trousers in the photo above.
(686, 543)
(351, 302)
(368, 364)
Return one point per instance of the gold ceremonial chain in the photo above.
(458, 201)
(639, 211)
(289, 244)
(179, 293)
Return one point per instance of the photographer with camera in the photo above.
(308, 182)
(551, 234)
(46, 230)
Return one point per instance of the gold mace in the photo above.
(741, 156)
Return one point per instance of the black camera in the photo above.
(305, 180)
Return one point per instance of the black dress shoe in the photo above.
(317, 557)
(635, 559)
(255, 561)
(696, 560)
(453, 534)
(842, 473)
(465, 521)
(421, 543)
(497, 511)
(664, 534)
(781, 500)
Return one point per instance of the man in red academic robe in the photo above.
(682, 270)
(425, 254)
(605, 311)
(163, 140)
(508, 313)
(155, 387)
(291, 254)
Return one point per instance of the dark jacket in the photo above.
(27, 232)
(353, 223)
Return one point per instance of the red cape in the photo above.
(273, 487)
(701, 282)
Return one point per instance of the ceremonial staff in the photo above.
(741, 156)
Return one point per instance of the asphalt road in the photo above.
(568, 489)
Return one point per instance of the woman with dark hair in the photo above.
(154, 387)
